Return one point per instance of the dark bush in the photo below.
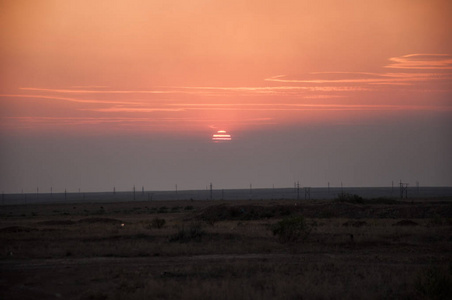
(291, 229)
(405, 223)
(193, 233)
(217, 213)
(355, 223)
(157, 223)
(434, 283)
(382, 200)
(349, 198)
(162, 210)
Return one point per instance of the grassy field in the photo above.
(337, 249)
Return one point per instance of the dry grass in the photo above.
(223, 250)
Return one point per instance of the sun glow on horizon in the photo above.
(220, 136)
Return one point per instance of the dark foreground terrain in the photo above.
(337, 249)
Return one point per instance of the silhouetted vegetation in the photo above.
(291, 229)
(349, 198)
(193, 233)
(217, 213)
(157, 223)
(382, 200)
(357, 199)
(434, 283)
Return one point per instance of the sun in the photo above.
(221, 136)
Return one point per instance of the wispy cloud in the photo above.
(59, 123)
(276, 89)
(69, 99)
(73, 120)
(89, 86)
(405, 84)
(417, 68)
(422, 62)
(359, 78)
(303, 107)
(96, 91)
(206, 90)
(134, 109)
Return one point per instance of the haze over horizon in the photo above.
(101, 94)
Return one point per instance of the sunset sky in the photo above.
(103, 94)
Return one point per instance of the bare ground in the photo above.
(112, 251)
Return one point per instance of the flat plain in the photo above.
(345, 248)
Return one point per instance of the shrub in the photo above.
(193, 233)
(382, 200)
(434, 283)
(291, 229)
(162, 210)
(157, 223)
(350, 198)
(436, 221)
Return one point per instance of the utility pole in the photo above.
(133, 192)
(211, 192)
(298, 190)
(403, 190)
(307, 193)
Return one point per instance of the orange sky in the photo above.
(153, 66)
(187, 69)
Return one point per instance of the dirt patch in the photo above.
(246, 212)
(57, 222)
(405, 223)
(226, 212)
(100, 220)
(18, 229)
(135, 237)
(355, 223)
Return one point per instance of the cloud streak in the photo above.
(69, 99)
(422, 62)
(408, 70)
(302, 107)
(134, 109)
(358, 78)
(282, 98)
(95, 91)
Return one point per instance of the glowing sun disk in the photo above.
(221, 135)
